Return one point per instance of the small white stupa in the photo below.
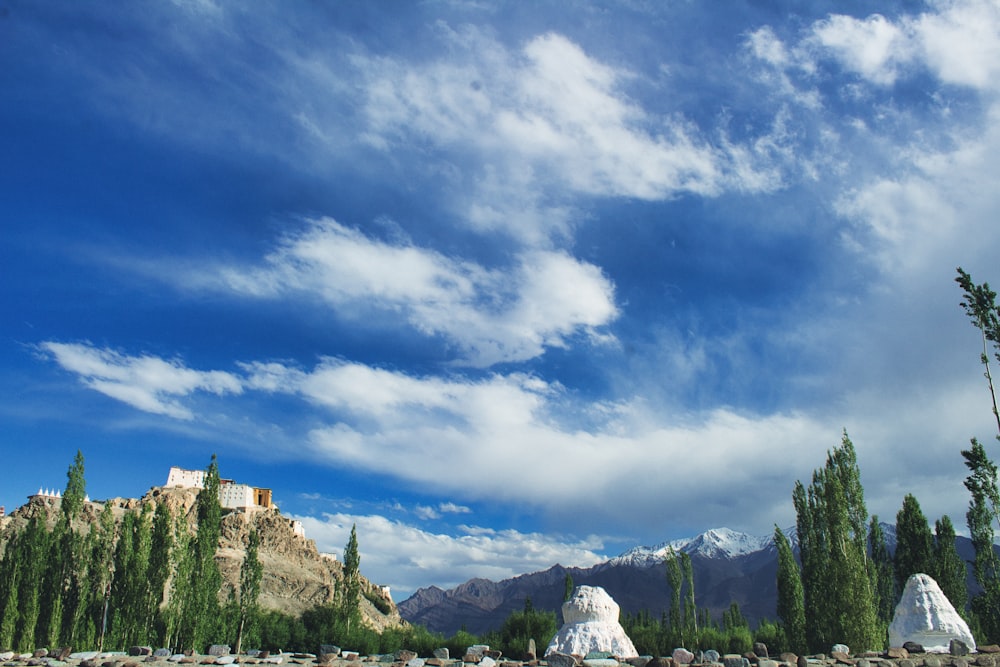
(925, 615)
(590, 624)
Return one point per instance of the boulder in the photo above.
(682, 656)
(925, 616)
(591, 624)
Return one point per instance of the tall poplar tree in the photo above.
(949, 568)
(159, 570)
(251, 572)
(10, 581)
(351, 603)
(832, 520)
(199, 618)
(982, 484)
(914, 542)
(883, 574)
(791, 603)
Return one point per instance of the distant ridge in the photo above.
(728, 566)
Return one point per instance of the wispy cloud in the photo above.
(499, 314)
(145, 382)
(442, 559)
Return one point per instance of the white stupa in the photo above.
(590, 624)
(925, 615)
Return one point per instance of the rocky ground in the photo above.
(481, 656)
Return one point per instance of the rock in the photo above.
(557, 659)
(958, 647)
(989, 648)
(767, 662)
(842, 657)
(913, 647)
(789, 658)
(40, 653)
(925, 615)
(840, 648)
(760, 648)
(478, 650)
(600, 662)
(415, 662)
(140, 650)
(443, 653)
(329, 649)
(80, 655)
(711, 655)
(225, 660)
(682, 656)
(532, 652)
(487, 661)
(660, 662)
(732, 660)
(802, 661)
(219, 649)
(640, 661)
(6, 655)
(176, 657)
(404, 655)
(932, 661)
(897, 652)
(591, 624)
(161, 653)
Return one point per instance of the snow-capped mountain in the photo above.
(716, 543)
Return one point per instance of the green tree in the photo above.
(159, 569)
(883, 574)
(10, 581)
(949, 568)
(33, 552)
(675, 579)
(567, 587)
(831, 520)
(791, 604)
(914, 542)
(522, 626)
(251, 572)
(350, 602)
(982, 484)
(980, 304)
(200, 614)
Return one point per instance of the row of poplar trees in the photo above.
(144, 579)
(846, 585)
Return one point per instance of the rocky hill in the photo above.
(296, 576)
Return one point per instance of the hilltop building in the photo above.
(231, 494)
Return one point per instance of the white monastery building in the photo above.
(231, 495)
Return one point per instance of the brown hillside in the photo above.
(296, 576)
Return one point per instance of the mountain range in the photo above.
(728, 566)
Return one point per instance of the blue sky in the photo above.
(504, 284)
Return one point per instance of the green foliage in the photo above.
(378, 601)
(949, 568)
(883, 575)
(914, 542)
(521, 626)
(251, 572)
(832, 520)
(791, 604)
(982, 484)
(567, 587)
(350, 602)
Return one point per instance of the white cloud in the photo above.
(405, 557)
(547, 119)
(873, 47)
(492, 315)
(148, 383)
(957, 41)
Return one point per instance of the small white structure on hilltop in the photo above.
(52, 493)
(925, 615)
(231, 494)
(590, 624)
